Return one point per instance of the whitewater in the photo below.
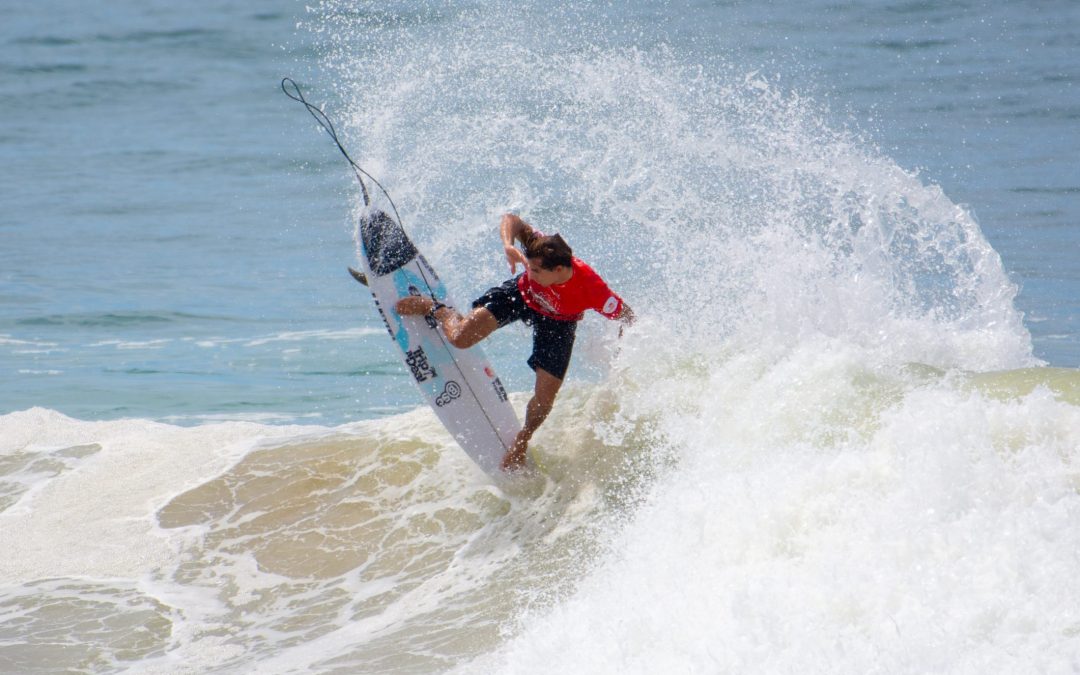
(829, 444)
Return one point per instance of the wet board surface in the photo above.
(459, 384)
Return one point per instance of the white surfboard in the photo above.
(459, 384)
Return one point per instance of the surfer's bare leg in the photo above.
(547, 387)
(462, 331)
(465, 331)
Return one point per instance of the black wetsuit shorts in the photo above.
(553, 340)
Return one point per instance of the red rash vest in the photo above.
(568, 301)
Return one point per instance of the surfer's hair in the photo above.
(552, 251)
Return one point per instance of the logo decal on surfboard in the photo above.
(500, 391)
(451, 391)
(417, 361)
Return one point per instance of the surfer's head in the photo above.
(549, 251)
(549, 259)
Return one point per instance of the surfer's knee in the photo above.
(462, 333)
(460, 340)
(465, 331)
(546, 388)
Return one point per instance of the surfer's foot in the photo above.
(514, 460)
(414, 305)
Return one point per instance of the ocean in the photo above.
(843, 436)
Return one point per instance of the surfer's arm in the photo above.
(513, 229)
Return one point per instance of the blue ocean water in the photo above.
(842, 436)
(166, 218)
(175, 234)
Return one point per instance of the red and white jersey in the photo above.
(568, 301)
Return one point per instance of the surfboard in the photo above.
(459, 384)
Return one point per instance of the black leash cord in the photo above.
(328, 126)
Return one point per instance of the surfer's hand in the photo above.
(515, 256)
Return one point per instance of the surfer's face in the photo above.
(546, 277)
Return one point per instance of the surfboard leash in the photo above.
(328, 126)
(324, 121)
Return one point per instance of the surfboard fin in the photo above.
(359, 276)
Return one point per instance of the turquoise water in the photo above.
(168, 218)
(175, 232)
(842, 437)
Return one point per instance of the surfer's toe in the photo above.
(413, 305)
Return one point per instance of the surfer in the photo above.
(551, 295)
